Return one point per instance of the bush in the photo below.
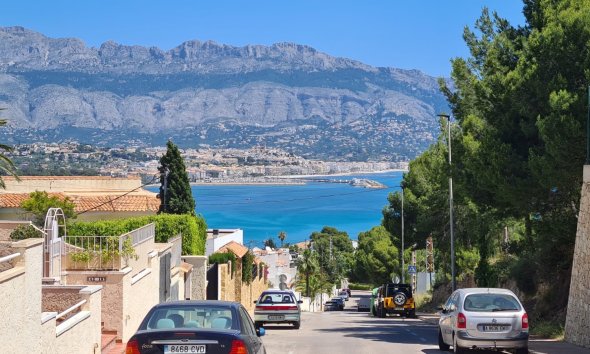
(192, 228)
(223, 258)
(25, 231)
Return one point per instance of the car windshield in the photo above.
(276, 298)
(491, 302)
(197, 316)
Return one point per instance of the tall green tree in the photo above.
(39, 203)
(334, 249)
(175, 190)
(376, 259)
(282, 237)
(307, 265)
(6, 164)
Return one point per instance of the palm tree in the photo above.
(282, 237)
(6, 165)
(307, 265)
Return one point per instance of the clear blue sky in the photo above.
(408, 34)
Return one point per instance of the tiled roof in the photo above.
(235, 248)
(93, 203)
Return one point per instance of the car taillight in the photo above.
(275, 308)
(525, 321)
(238, 347)
(132, 347)
(461, 321)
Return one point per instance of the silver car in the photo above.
(484, 318)
(277, 306)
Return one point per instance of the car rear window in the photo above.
(276, 298)
(216, 317)
(491, 302)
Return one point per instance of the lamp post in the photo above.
(403, 270)
(453, 279)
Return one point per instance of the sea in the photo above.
(263, 211)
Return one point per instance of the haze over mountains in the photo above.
(207, 94)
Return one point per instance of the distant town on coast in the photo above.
(228, 166)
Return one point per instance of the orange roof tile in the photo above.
(93, 203)
(235, 248)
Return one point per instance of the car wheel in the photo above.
(381, 311)
(457, 349)
(399, 298)
(524, 350)
(296, 325)
(441, 343)
(412, 313)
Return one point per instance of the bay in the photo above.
(263, 211)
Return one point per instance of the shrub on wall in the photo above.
(25, 231)
(223, 258)
(247, 265)
(192, 228)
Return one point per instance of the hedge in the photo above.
(192, 228)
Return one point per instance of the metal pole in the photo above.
(453, 279)
(588, 131)
(403, 270)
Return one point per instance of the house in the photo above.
(217, 238)
(94, 197)
(282, 271)
(38, 318)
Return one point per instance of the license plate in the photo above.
(399, 308)
(276, 317)
(185, 348)
(494, 328)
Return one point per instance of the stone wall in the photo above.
(198, 277)
(577, 325)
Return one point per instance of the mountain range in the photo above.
(205, 94)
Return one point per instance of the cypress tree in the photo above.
(175, 191)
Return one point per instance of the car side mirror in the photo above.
(299, 301)
(260, 331)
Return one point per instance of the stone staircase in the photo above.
(110, 343)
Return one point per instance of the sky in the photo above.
(406, 34)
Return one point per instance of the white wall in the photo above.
(225, 236)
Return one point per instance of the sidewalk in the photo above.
(536, 345)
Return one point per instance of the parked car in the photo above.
(393, 298)
(277, 306)
(197, 327)
(483, 318)
(348, 291)
(331, 305)
(364, 304)
(344, 294)
(340, 301)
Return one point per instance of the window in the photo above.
(247, 325)
(491, 303)
(275, 298)
(191, 317)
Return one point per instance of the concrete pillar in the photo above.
(198, 276)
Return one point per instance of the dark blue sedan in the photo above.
(211, 327)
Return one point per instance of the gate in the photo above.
(213, 282)
(52, 245)
(165, 277)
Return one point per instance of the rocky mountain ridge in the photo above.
(203, 93)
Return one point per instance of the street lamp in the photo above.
(403, 270)
(453, 279)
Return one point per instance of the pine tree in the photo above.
(175, 190)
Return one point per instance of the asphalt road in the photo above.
(349, 331)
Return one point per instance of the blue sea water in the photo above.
(263, 211)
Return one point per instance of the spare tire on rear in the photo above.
(399, 298)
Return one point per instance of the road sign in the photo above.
(412, 269)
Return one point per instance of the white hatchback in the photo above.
(483, 318)
(277, 306)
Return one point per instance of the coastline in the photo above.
(262, 182)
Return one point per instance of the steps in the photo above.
(110, 343)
